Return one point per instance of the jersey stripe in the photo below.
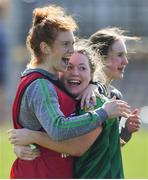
(81, 121)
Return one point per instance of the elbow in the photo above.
(78, 154)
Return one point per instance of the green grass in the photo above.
(135, 155)
(6, 153)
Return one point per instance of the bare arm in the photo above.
(74, 146)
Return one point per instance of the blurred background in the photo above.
(91, 15)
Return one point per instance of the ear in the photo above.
(45, 49)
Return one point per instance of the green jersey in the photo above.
(103, 159)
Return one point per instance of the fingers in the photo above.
(12, 140)
(11, 131)
(100, 96)
(133, 127)
(116, 108)
(120, 102)
(133, 123)
(124, 109)
(134, 119)
(124, 114)
(82, 102)
(89, 96)
(93, 97)
(20, 136)
(26, 153)
(136, 111)
(29, 152)
(12, 136)
(113, 98)
(88, 99)
(28, 157)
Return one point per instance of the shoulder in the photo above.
(101, 88)
(41, 86)
(115, 92)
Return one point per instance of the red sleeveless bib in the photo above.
(50, 164)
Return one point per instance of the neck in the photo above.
(108, 81)
(45, 65)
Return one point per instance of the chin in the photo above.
(70, 91)
(75, 94)
(119, 76)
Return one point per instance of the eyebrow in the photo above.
(78, 64)
(65, 41)
(82, 64)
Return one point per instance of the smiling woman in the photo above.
(40, 101)
(63, 48)
(114, 57)
(50, 42)
(83, 64)
(78, 74)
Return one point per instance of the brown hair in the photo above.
(47, 22)
(103, 39)
(95, 63)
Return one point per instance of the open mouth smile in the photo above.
(74, 82)
(121, 69)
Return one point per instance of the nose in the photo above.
(75, 71)
(71, 49)
(125, 60)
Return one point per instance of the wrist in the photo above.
(33, 136)
(125, 134)
(102, 114)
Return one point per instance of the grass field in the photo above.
(135, 155)
(6, 153)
